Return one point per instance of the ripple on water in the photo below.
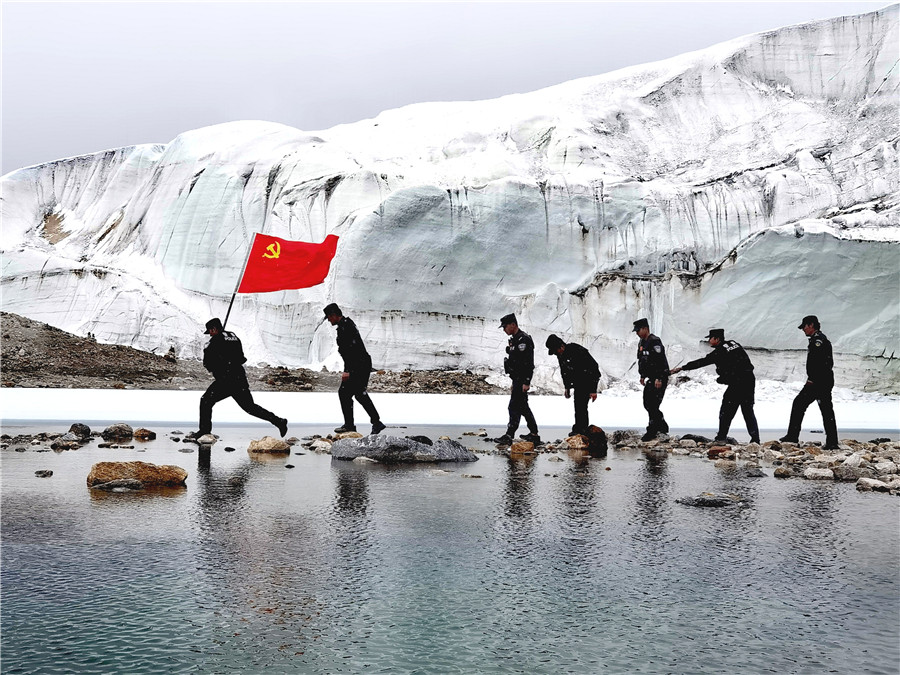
(336, 567)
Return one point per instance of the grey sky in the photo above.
(83, 77)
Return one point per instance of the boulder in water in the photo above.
(151, 475)
(391, 449)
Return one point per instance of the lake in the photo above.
(535, 566)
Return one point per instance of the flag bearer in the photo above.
(224, 358)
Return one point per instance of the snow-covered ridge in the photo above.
(741, 186)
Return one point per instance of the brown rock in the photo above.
(717, 450)
(783, 472)
(597, 443)
(143, 434)
(270, 445)
(149, 474)
(521, 448)
(577, 442)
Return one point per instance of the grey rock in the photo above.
(852, 473)
(43, 473)
(120, 485)
(696, 438)
(818, 474)
(118, 432)
(870, 484)
(391, 449)
(81, 431)
(710, 499)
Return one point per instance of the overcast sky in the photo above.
(83, 77)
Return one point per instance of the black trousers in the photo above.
(237, 388)
(802, 401)
(355, 387)
(652, 400)
(518, 408)
(580, 396)
(739, 395)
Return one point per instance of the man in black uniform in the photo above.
(654, 370)
(224, 358)
(357, 368)
(734, 369)
(819, 383)
(519, 365)
(579, 372)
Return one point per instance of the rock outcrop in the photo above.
(391, 449)
(150, 475)
(118, 432)
(269, 445)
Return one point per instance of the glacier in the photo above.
(742, 186)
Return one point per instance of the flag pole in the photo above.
(240, 279)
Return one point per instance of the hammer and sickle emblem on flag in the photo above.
(274, 250)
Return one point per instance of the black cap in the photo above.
(640, 323)
(213, 323)
(332, 309)
(716, 333)
(809, 320)
(553, 343)
(509, 318)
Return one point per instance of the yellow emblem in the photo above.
(274, 250)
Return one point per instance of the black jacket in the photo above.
(578, 368)
(351, 347)
(731, 361)
(519, 365)
(224, 356)
(819, 360)
(651, 356)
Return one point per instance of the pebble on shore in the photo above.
(873, 465)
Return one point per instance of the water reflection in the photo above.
(351, 489)
(519, 489)
(340, 567)
(651, 495)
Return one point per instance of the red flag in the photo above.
(281, 264)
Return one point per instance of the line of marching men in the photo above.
(224, 358)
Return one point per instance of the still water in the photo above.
(535, 567)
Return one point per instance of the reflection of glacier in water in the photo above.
(538, 567)
(741, 186)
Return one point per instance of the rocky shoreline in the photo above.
(873, 465)
(37, 355)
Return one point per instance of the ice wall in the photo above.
(742, 186)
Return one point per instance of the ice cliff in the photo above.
(742, 186)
